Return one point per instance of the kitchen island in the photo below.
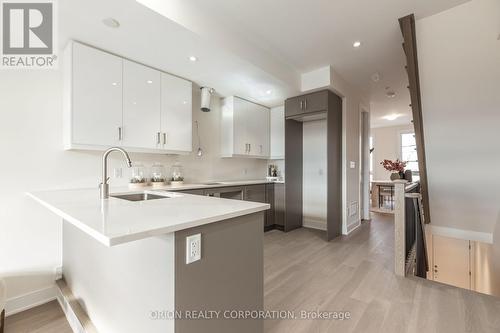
(126, 261)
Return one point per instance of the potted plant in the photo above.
(138, 178)
(397, 168)
(177, 181)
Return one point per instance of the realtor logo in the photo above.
(28, 34)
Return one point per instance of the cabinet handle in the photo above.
(158, 139)
(249, 147)
(305, 104)
(120, 134)
(302, 105)
(260, 148)
(164, 138)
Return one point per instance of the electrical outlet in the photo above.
(352, 164)
(58, 273)
(193, 248)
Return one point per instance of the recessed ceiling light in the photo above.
(269, 92)
(356, 44)
(149, 81)
(392, 116)
(111, 22)
(114, 83)
(193, 58)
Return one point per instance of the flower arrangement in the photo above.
(394, 166)
(397, 168)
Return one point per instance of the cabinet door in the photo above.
(279, 204)
(263, 132)
(256, 193)
(316, 101)
(176, 113)
(277, 116)
(294, 106)
(141, 106)
(270, 200)
(257, 130)
(96, 97)
(240, 123)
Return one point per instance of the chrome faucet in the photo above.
(104, 186)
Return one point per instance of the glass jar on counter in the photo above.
(138, 176)
(157, 175)
(177, 175)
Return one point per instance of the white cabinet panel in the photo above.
(111, 101)
(245, 129)
(141, 106)
(241, 127)
(95, 102)
(277, 132)
(176, 113)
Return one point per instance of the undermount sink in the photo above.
(139, 196)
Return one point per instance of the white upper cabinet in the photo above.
(176, 113)
(277, 133)
(93, 84)
(245, 129)
(111, 101)
(141, 106)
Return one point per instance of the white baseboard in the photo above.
(29, 300)
(314, 224)
(477, 236)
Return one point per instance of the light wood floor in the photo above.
(46, 318)
(355, 274)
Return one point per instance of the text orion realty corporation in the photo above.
(28, 34)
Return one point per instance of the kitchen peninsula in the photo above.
(125, 258)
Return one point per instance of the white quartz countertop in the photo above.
(210, 184)
(115, 221)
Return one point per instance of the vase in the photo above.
(397, 175)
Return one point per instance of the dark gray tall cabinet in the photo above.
(322, 104)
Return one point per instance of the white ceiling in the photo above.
(247, 47)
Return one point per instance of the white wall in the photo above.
(353, 102)
(459, 60)
(33, 159)
(314, 180)
(386, 141)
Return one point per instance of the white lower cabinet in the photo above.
(245, 129)
(111, 101)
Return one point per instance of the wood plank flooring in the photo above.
(355, 273)
(46, 318)
(304, 273)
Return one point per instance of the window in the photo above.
(409, 152)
